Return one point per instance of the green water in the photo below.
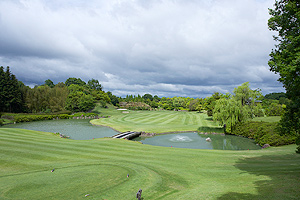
(81, 129)
(198, 141)
(77, 129)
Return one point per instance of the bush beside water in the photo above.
(263, 133)
(298, 143)
(14, 117)
(30, 118)
(82, 114)
(205, 129)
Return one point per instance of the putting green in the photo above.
(154, 121)
(99, 168)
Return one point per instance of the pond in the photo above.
(198, 141)
(77, 129)
(81, 129)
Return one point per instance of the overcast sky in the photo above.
(163, 47)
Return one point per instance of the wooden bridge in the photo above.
(127, 135)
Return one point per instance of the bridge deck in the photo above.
(127, 135)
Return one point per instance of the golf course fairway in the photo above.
(153, 121)
(98, 169)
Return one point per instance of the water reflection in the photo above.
(83, 130)
(198, 141)
(77, 129)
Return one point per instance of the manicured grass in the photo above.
(153, 121)
(99, 168)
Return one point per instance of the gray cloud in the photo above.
(169, 48)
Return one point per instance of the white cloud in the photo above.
(170, 47)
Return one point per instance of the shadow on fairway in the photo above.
(282, 172)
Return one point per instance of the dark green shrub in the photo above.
(9, 116)
(81, 114)
(1, 122)
(298, 143)
(29, 118)
(210, 113)
(263, 133)
(136, 106)
(205, 129)
(274, 110)
(103, 103)
(258, 112)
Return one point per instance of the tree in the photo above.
(148, 96)
(210, 102)
(101, 97)
(24, 89)
(95, 85)
(79, 99)
(275, 96)
(10, 93)
(274, 109)
(285, 58)
(114, 99)
(79, 102)
(247, 96)
(60, 84)
(229, 112)
(45, 99)
(156, 98)
(75, 81)
(237, 109)
(193, 104)
(178, 102)
(58, 96)
(49, 83)
(2, 89)
(37, 98)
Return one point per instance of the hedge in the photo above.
(263, 133)
(29, 118)
(205, 129)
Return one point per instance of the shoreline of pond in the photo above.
(104, 126)
(150, 134)
(113, 131)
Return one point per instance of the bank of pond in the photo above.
(81, 129)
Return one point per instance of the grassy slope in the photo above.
(99, 167)
(153, 121)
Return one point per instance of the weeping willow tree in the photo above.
(236, 109)
(229, 112)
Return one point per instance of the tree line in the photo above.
(233, 111)
(73, 95)
(11, 96)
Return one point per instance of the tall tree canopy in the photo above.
(75, 81)
(238, 108)
(79, 99)
(94, 84)
(49, 83)
(10, 94)
(285, 58)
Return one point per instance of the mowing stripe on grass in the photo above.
(156, 121)
(99, 167)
